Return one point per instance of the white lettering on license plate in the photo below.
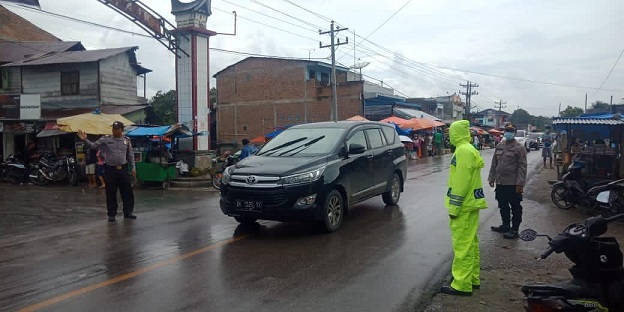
(248, 205)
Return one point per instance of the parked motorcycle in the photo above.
(12, 170)
(50, 168)
(597, 275)
(218, 166)
(610, 198)
(573, 189)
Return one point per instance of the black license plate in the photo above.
(249, 205)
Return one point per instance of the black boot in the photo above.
(512, 234)
(500, 229)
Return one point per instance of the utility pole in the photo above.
(611, 103)
(469, 93)
(585, 103)
(559, 109)
(500, 104)
(332, 32)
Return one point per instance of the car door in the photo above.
(381, 159)
(358, 170)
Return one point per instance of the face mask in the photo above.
(509, 136)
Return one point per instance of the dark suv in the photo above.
(316, 172)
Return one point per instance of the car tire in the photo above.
(333, 212)
(245, 221)
(392, 196)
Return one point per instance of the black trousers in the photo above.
(509, 205)
(117, 177)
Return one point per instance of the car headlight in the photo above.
(227, 175)
(305, 177)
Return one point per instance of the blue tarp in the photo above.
(175, 130)
(402, 131)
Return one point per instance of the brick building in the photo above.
(257, 95)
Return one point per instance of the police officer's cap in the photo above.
(118, 125)
(509, 127)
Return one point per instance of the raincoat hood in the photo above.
(459, 132)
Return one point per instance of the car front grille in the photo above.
(272, 196)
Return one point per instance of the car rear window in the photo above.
(390, 134)
(374, 137)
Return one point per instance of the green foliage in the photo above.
(571, 112)
(521, 116)
(601, 106)
(163, 108)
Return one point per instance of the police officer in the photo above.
(118, 155)
(508, 172)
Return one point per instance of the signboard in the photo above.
(133, 9)
(378, 110)
(30, 106)
(18, 127)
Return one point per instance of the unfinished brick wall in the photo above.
(257, 95)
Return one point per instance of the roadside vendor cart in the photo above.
(152, 152)
(595, 140)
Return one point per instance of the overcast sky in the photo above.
(426, 49)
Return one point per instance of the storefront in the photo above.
(595, 141)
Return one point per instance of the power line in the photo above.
(382, 24)
(609, 74)
(327, 19)
(269, 16)
(283, 13)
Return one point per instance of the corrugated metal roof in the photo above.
(587, 121)
(414, 113)
(72, 57)
(18, 51)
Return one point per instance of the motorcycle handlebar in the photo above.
(546, 253)
(615, 218)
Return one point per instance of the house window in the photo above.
(4, 79)
(312, 74)
(70, 83)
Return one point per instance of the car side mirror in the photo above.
(356, 149)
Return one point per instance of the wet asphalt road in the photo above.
(183, 254)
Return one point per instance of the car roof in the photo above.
(343, 124)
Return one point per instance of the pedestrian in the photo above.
(438, 138)
(118, 156)
(464, 199)
(99, 169)
(508, 173)
(29, 154)
(247, 150)
(90, 163)
(475, 141)
(547, 147)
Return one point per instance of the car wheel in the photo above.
(333, 212)
(245, 221)
(392, 196)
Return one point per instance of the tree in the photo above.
(162, 109)
(601, 106)
(571, 112)
(521, 116)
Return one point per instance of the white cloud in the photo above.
(558, 41)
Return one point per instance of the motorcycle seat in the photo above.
(567, 290)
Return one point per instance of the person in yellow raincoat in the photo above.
(464, 199)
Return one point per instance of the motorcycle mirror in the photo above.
(528, 235)
(603, 197)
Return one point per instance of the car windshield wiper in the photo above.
(279, 147)
(300, 146)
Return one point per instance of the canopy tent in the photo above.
(258, 140)
(477, 130)
(357, 118)
(421, 123)
(51, 129)
(394, 120)
(160, 131)
(91, 123)
(495, 132)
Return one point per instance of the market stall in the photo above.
(153, 151)
(594, 141)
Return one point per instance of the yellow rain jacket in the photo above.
(464, 199)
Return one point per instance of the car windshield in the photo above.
(302, 143)
(520, 133)
(535, 136)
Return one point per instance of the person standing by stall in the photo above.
(90, 161)
(118, 158)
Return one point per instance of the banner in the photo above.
(25, 2)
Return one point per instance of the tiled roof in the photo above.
(587, 121)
